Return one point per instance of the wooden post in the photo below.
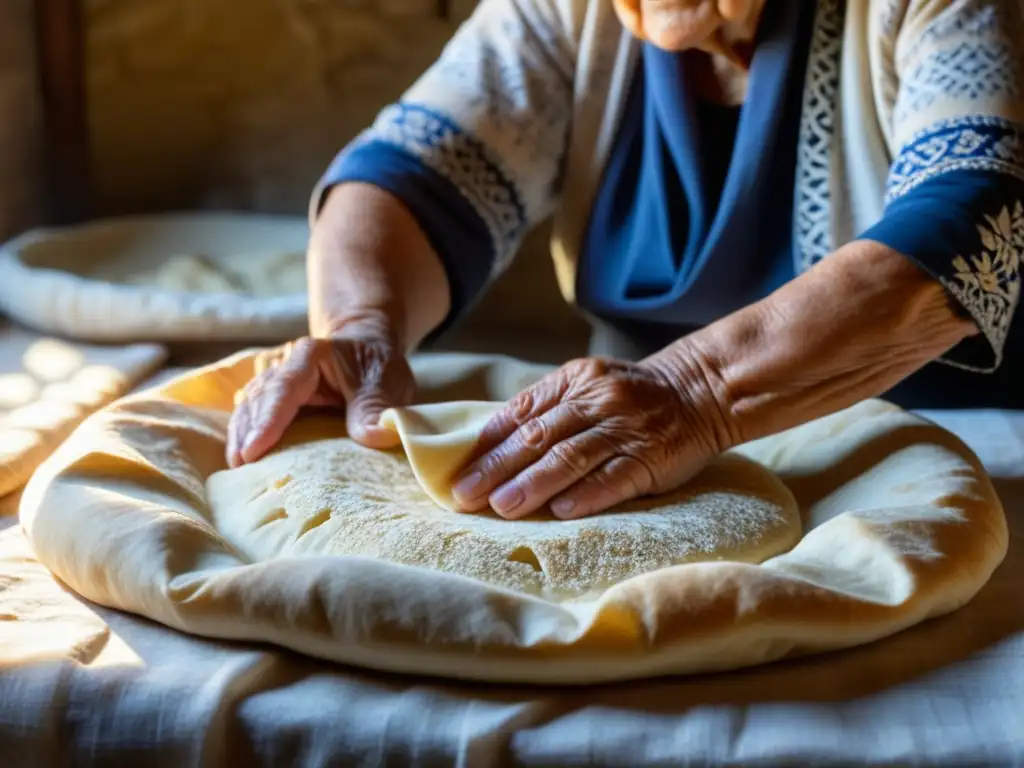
(60, 45)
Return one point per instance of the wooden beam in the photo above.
(60, 46)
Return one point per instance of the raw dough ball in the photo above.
(320, 493)
(191, 274)
(272, 274)
(281, 274)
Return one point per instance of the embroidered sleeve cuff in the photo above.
(456, 232)
(966, 229)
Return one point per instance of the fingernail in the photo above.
(247, 445)
(562, 508)
(507, 498)
(464, 489)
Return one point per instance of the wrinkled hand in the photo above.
(359, 370)
(593, 434)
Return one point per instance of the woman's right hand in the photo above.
(359, 369)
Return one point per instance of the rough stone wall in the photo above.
(241, 104)
(230, 104)
(20, 159)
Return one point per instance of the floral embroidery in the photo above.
(970, 142)
(988, 283)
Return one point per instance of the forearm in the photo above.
(848, 329)
(370, 261)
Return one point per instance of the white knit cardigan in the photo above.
(521, 109)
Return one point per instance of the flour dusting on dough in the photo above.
(344, 499)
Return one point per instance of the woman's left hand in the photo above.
(589, 436)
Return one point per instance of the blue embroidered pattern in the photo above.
(985, 281)
(972, 17)
(529, 104)
(817, 125)
(446, 147)
(971, 70)
(971, 142)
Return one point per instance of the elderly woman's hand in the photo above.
(360, 369)
(591, 435)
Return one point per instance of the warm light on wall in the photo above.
(41, 404)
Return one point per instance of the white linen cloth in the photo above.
(90, 686)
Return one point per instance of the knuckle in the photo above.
(578, 411)
(522, 405)
(590, 367)
(492, 465)
(305, 345)
(371, 400)
(569, 456)
(605, 483)
(620, 390)
(275, 383)
(637, 476)
(533, 434)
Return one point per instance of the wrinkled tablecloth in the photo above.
(88, 686)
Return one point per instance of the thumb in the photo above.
(362, 418)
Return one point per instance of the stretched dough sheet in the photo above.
(902, 524)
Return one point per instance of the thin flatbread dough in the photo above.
(323, 494)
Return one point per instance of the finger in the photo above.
(528, 444)
(362, 417)
(238, 428)
(372, 379)
(240, 423)
(275, 406)
(528, 404)
(619, 480)
(564, 465)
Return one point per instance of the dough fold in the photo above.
(438, 439)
